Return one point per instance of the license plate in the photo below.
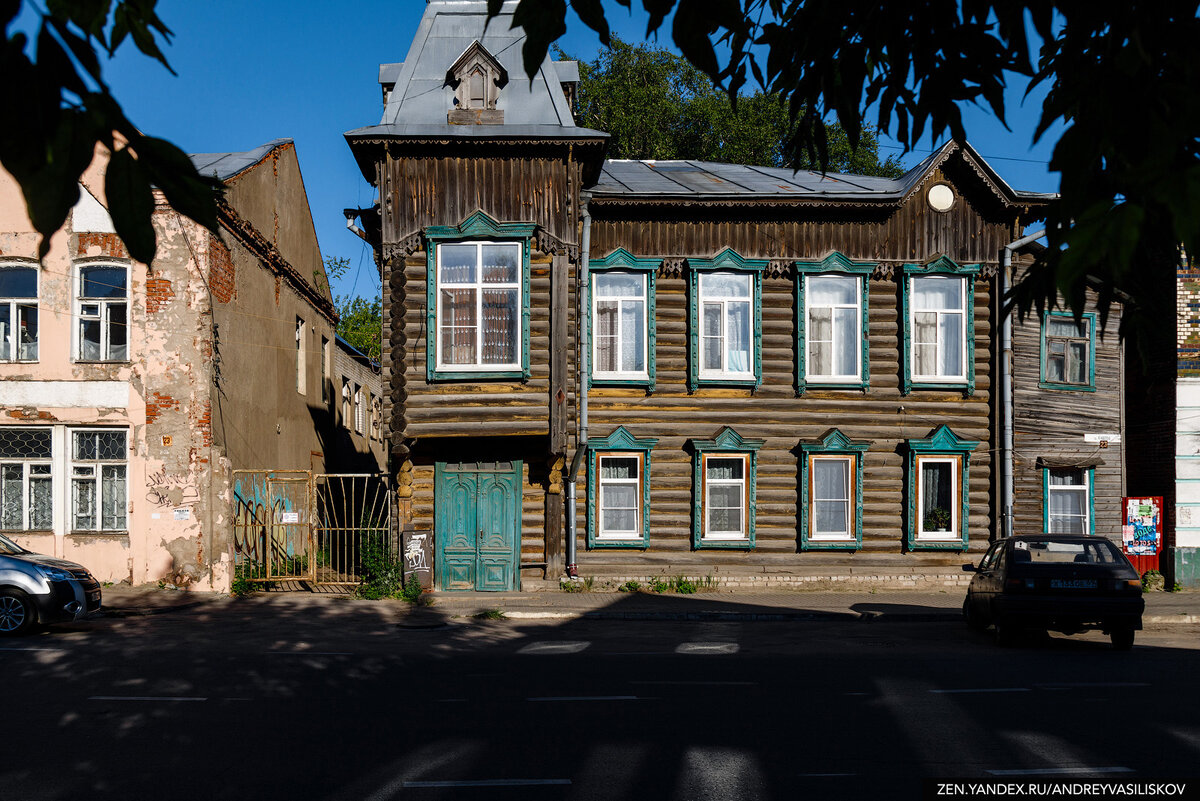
(1072, 584)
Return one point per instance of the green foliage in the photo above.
(490, 614)
(682, 585)
(360, 321)
(938, 519)
(381, 574)
(411, 591)
(65, 109)
(582, 585)
(1153, 581)
(660, 585)
(630, 586)
(655, 105)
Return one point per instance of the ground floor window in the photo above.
(98, 480)
(1068, 500)
(26, 479)
(618, 489)
(938, 496)
(724, 476)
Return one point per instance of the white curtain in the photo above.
(738, 346)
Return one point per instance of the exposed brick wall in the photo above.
(110, 245)
(1187, 308)
(221, 278)
(202, 421)
(158, 403)
(159, 293)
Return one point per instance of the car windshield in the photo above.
(8, 547)
(1049, 551)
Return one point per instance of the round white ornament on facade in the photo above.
(941, 197)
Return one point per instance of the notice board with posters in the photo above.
(1141, 532)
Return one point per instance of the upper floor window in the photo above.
(726, 320)
(726, 325)
(360, 410)
(326, 370)
(301, 356)
(1068, 351)
(479, 306)
(103, 312)
(18, 314)
(98, 482)
(477, 299)
(26, 479)
(477, 78)
(939, 329)
(619, 325)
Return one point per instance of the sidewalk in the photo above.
(890, 605)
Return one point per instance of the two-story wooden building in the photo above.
(643, 367)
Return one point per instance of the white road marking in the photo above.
(984, 690)
(707, 648)
(1058, 771)
(824, 775)
(145, 698)
(1070, 685)
(561, 647)
(703, 683)
(310, 653)
(487, 783)
(57, 650)
(586, 698)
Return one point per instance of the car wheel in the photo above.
(16, 613)
(972, 617)
(1122, 638)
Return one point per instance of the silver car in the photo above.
(41, 589)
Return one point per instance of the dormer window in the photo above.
(477, 78)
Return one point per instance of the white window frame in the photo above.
(326, 370)
(962, 311)
(479, 287)
(620, 300)
(849, 534)
(1082, 489)
(15, 305)
(811, 376)
(638, 533)
(27, 463)
(301, 356)
(347, 403)
(360, 411)
(956, 466)
(102, 315)
(708, 373)
(706, 533)
(75, 476)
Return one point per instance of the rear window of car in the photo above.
(1100, 552)
(8, 547)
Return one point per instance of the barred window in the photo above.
(98, 480)
(26, 479)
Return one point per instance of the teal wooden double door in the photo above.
(478, 525)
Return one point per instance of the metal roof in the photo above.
(422, 97)
(227, 165)
(652, 180)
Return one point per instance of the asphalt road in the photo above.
(342, 704)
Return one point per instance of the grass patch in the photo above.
(581, 585)
(489, 614)
(630, 586)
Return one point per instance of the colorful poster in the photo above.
(1141, 534)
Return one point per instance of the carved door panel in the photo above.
(478, 509)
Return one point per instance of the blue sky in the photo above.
(250, 72)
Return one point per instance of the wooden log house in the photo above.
(788, 374)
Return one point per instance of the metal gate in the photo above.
(293, 525)
(352, 534)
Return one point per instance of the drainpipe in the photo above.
(1006, 390)
(583, 299)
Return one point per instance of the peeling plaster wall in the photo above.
(161, 397)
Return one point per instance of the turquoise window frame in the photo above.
(475, 228)
(941, 266)
(834, 444)
(833, 264)
(728, 260)
(942, 442)
(1043, 382)
(726, 442)
(619, 441)
(1091, 490)
(621, 260)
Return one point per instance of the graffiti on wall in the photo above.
(162, 484)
